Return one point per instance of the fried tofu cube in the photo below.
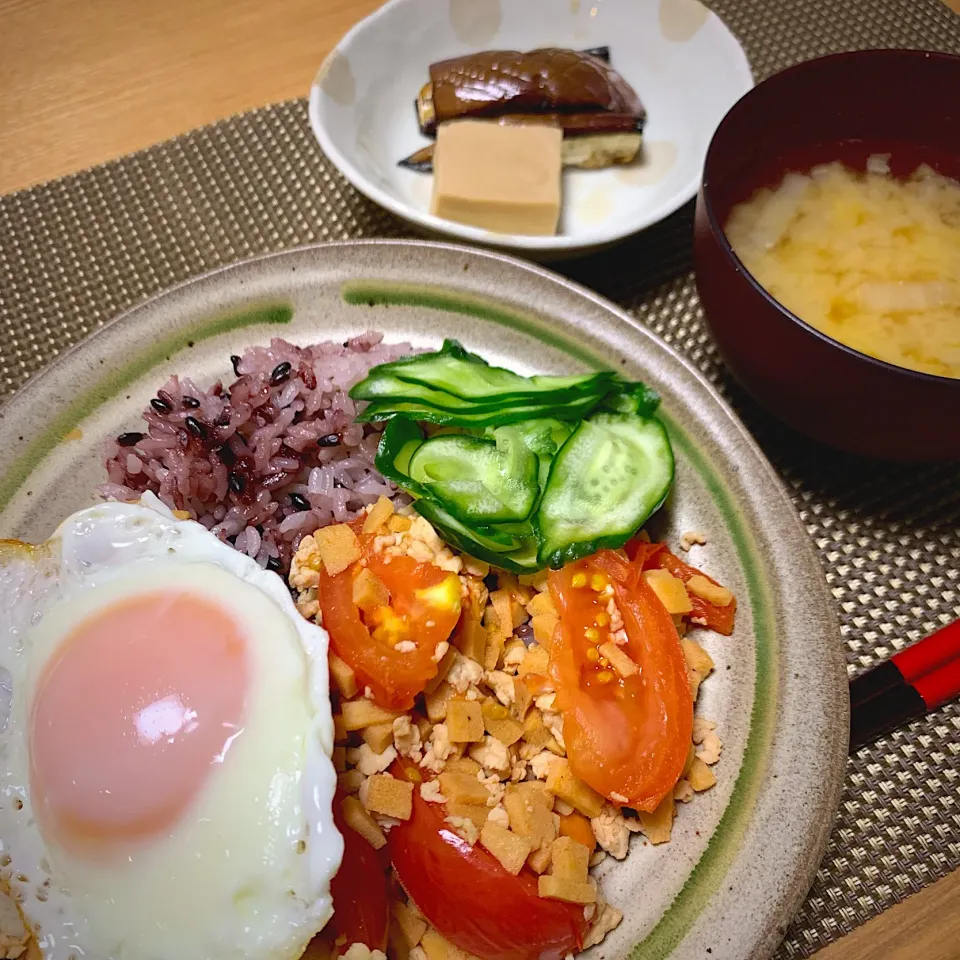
(463, 765)
(493, 651)
(699, 664)
(618, 659)
(669, 589)
(464, 721)
(389, 796)
(499, 724)
(437, 948)
(361, 713)
(369, 591)
(530, 813)
(351, 781)
(535, 731)
(443, 668)
(397, 946)
(707, 590)
(378, 516)
(509, 848)
(436, 702)
(398, 524)
(460, 786)
(537, 660)
(570, 859)
(536, 791)
(339, 547)
(343, 676)
(379, 736)
(410, 921)
(570, 891)
(658, 825)
(544, 626)
(360, 821)
(522, 698)
(503, 608)
(539, 860)
(700, 776)
(563, 784)
(424, 726)
(471, 639)
(475, 812)
(470, 636)
(542, 605)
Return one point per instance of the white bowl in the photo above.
(680, 58)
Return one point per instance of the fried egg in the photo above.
(165, 778)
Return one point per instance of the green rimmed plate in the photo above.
(744, 854)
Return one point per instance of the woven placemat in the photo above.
(75, 252)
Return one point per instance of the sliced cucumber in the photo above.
(521, 558)
(612, 473)
(479, 480)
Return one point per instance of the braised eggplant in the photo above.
(547, 81)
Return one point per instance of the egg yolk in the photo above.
(136, 709)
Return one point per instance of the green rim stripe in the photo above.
(706, 876)
(159, 352)
(722, 847)
(376, 293)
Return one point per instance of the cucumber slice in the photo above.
(522, 558)
(479, 480)
(398, 443)
(613, 472)
(459, 373)
(476, 418)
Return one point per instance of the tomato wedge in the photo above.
(422, 610)
(361, 911)
(471, 900)
(626, 737)
(652, 556)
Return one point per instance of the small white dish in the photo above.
(685, 65)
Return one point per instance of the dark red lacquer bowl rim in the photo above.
(719, 233)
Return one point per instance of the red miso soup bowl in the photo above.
(847, 107)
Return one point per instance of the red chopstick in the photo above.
(910, 684)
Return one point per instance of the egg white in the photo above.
(246, 871)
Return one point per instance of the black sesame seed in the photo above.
(273, 563)
(223, 419)
(235, 482)
(160, 406)
(299, 502)
(329, 440)
(235, 360)
(129, 439)
(280, 373)
(191, 403)
(227, 456)
(196, 428)
(165, 397)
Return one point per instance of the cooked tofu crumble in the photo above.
(486, 739)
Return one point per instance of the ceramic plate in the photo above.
(743, 855)
(683, 62)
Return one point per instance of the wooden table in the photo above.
(84, 81)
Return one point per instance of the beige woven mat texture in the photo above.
(75, 252)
